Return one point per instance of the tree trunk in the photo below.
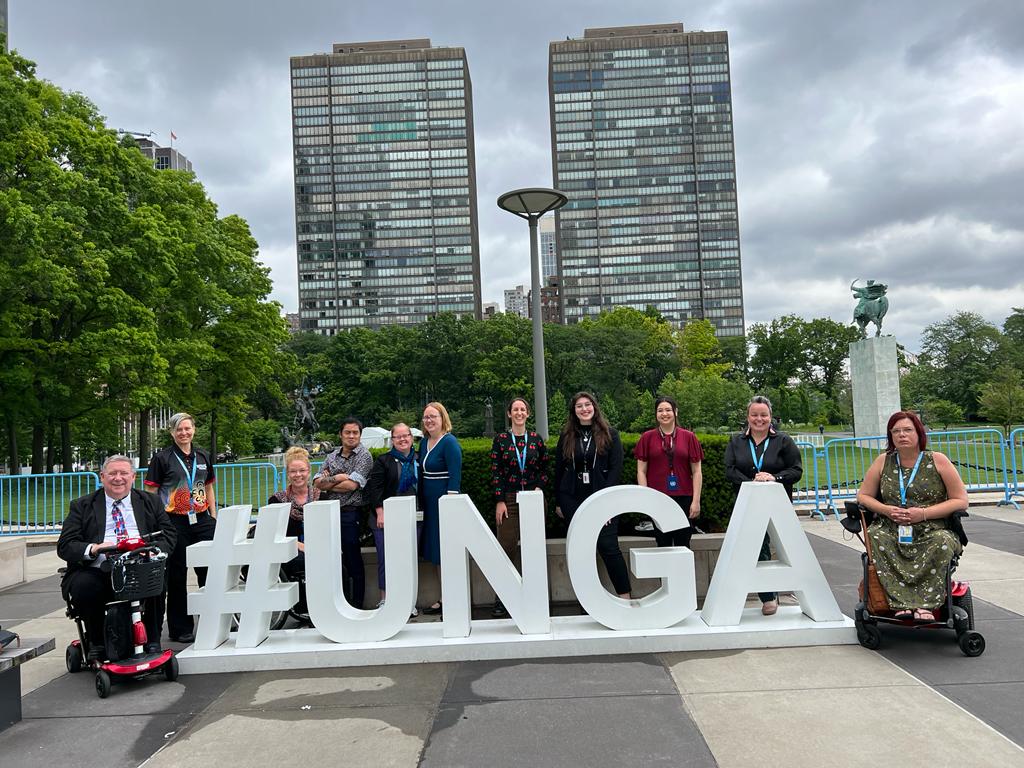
(144, 456)
(67, 460)
(213, 437)
(50, 453)
(13, 460)
(37, 449)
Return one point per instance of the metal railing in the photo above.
(832, 473)
(38, 503)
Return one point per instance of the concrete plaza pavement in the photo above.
(917, 698)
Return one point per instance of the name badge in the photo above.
(905, 534)
(193, 518)
(586, 478)
(673, 482)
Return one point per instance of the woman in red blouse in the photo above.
(518, 463)
(668, 460)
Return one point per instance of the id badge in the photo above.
(586, 478)
(905, 534)
(673, 482)
(193, 518)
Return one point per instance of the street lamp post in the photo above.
(531, 204)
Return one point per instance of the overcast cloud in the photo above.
(873, 139)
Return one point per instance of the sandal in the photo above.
(904, 615)
(923, 614)
(434, 610)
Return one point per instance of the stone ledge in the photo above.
(12, 562)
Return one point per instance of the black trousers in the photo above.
(89, 590)
(763, 557)
(179, 622)
(353, 571)
(680, 537)
(611, 555)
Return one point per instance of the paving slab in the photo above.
(1000, 704)
(75, 696)
(853, 727)
(418, 684)
(613, 731)
(769, 669)
(559, 678)
(384, 737)
(1007, 593)
(997, 534)
(28, 601)
(124, 742)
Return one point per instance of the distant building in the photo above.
(550, 301)
(548, 249)
(490, 309)
(164, 158)
(516, 302)
(292, 319)
(3, 25)
(385, 185)
(642, 143)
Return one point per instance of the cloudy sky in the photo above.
(874, 139)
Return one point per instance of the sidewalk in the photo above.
(788, 707)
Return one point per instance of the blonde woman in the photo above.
(441, 473)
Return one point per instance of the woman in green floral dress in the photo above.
(912, 492)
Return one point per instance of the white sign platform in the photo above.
(500, 639)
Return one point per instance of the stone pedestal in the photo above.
(875, 376)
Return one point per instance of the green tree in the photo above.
(1001, 400)
(827, 348)
(942, 412)
(779, 352)
(963, 349)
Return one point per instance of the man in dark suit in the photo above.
(94, 525)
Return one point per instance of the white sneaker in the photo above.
(380, 602)
(645, 526)
(415, 613)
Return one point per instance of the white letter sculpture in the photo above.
(330, 612)
(464, 533)
(669, 604)
(224, 557)
(761, 507)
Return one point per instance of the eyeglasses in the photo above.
(406, 436)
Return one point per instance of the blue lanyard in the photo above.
(521, 457)
(191, 478)
(753, 453)
(913, 474)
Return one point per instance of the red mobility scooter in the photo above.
(137, 573)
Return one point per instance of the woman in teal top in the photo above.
(440, 473)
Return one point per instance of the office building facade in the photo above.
(164, 158)
(385, 185)
(517, 301)
(642, 143)
(548, 249)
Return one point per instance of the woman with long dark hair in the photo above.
(587, 459)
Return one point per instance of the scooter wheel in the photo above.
(73, 658)
(870, 636)
(972, 644)
(171, 669)
(103, 684)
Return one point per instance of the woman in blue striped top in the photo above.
(441, 473)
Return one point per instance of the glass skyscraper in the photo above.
(385, 185)
(642, 143)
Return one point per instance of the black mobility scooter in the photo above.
(872, 611)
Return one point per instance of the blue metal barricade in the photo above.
(1015, 448)
(250, 484)
(38, 503)
(979, 455)
(806, 491)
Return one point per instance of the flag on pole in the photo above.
(173, 137)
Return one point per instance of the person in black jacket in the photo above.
(395, 473)
(94, 526)
(763, 454)
(588, 458)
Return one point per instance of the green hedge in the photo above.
(717, 496)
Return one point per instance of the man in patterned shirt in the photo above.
(342, 477)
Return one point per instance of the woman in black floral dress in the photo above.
(518, 463)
